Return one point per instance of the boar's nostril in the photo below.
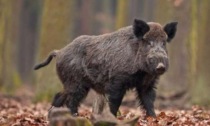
(160, 68)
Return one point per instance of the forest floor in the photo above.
(20, 112)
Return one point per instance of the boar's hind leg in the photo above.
(147, 99)
(115, 92)
(76, 96)
(59, 99)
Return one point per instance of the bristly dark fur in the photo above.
(59, 99)
(132, 57)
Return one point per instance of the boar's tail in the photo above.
(47, 61)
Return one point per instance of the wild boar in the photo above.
(131, 57)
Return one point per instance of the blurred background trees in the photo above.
(31, 29)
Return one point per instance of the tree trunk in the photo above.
(121, 14)
(199, 43)
(56, 27)
(9, 76)
(27, 38)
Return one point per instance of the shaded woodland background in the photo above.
(30, 29)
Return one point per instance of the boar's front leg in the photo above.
(115, 99)
(147, 98)
(115, 90)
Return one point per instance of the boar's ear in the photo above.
(140, 28)
(170, 30)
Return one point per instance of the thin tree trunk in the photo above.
(9, 76)
(56, 26)
(122, 13)
(28, 37)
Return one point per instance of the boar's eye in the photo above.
(164, 43)
(151, 43)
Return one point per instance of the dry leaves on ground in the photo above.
(16, 112)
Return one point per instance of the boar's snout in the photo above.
(157, 63)
(160, 69)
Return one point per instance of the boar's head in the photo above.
(152, 39)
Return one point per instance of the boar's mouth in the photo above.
(156, 68)
(160, 69)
